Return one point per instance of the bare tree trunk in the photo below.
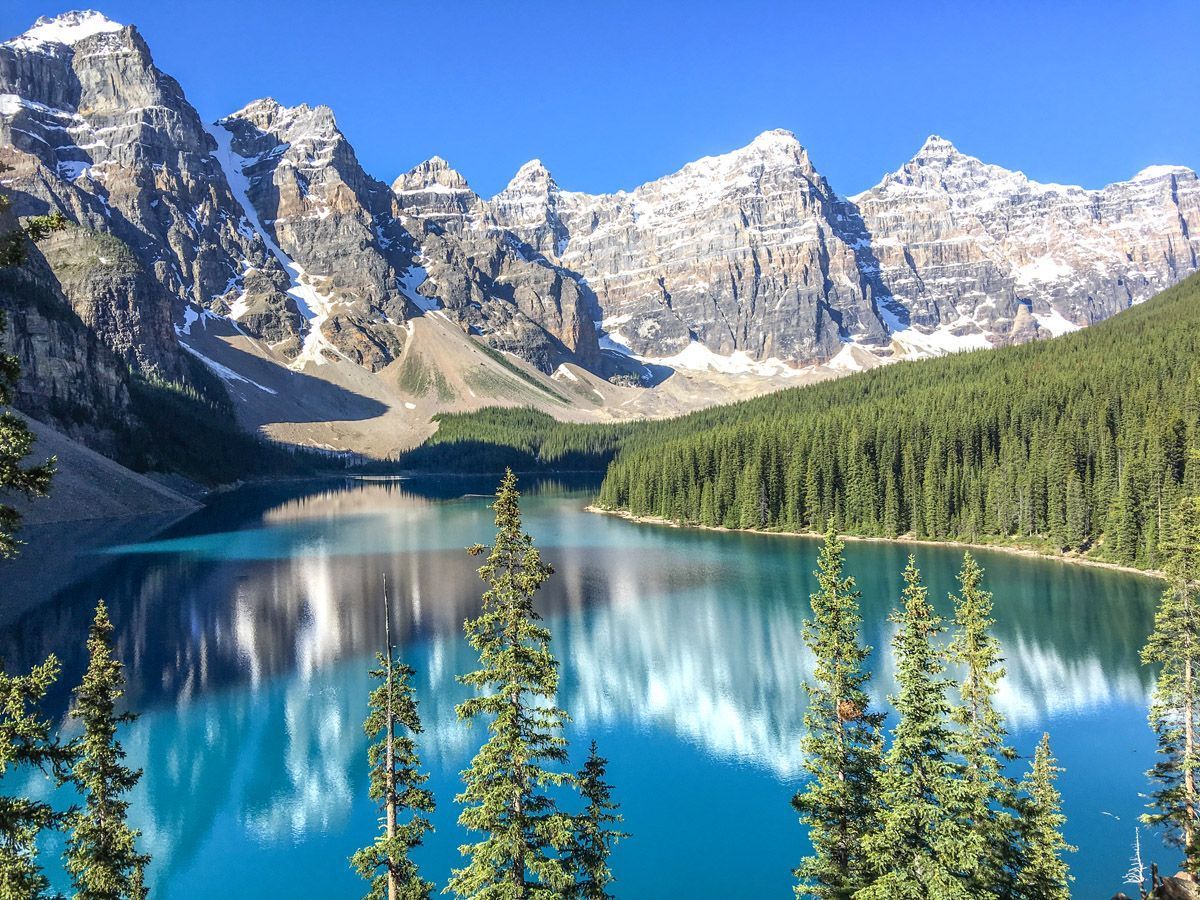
(390, 751)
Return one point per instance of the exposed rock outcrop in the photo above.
(337, 226)
(494, 282)
(966, 245)
(90, 126)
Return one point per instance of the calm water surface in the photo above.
(248, 630)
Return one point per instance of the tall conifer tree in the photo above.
(507, 794)
(1044, 874)
(842, 742)
(989, 796)
(102, 857)
(26, 743)
(396, 782)
(1174, 646)
(595, 831)
(918, 852)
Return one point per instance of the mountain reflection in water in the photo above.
(247, 630)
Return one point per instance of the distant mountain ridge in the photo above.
(260, 246)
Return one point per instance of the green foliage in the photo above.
(1075, 444)
(1044, 874)
(101, 855)
(842, 741)
(507, 793)
(191, 429)
(595, 833)
(397, 783)
(522, 439)
(1174, 646)
(989, 796)
(919, 851)
(26, 743)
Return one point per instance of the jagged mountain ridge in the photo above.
(753, 252)
(742, 269)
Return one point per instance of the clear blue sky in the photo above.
(612, 94)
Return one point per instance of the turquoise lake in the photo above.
(248, 629)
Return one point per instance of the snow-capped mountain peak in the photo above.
(67, 29)
(1152, 172)
(533, 173)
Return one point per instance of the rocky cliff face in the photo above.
(752, 251)
(491, 280)
(91, 127)
(990, 255)
(336, 226)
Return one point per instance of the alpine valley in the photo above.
(341, 312)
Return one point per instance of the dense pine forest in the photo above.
(1076, 444)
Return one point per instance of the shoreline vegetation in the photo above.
(1025, 550)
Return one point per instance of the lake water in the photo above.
(248, 630)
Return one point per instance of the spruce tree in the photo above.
(595, 833)
(101, 856)
(507, 794)
(1174, 646)
(919, 850)
(27, 743)
(842, 742)
(989, 796)
(1044, 874)
(396, 780)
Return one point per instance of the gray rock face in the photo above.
(492, 281)
(68, 375)
(91, 127)
(334, 222)
(984, 251)
(751, 251)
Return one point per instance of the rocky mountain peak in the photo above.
(433, 174)
(941, 167)
(777, 142)
(293, 124)
(50, 32)
(937, 149)
(531, 176)
(1152, 173)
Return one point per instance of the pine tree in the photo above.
(26, 743)
(989, 796)
(594, 831)
(101, 855)
(507, 787)
(842, 742)
(1174, 646)
(918, 851)
(1044, 874)
(396, 781)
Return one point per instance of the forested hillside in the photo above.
(1078, 444)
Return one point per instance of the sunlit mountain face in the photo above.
(249, 629)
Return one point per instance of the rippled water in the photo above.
(248, 631)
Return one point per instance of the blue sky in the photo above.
(612, 94)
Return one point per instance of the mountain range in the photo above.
(340, 311)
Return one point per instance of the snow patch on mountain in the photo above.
(312, 304)
(67, 29)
